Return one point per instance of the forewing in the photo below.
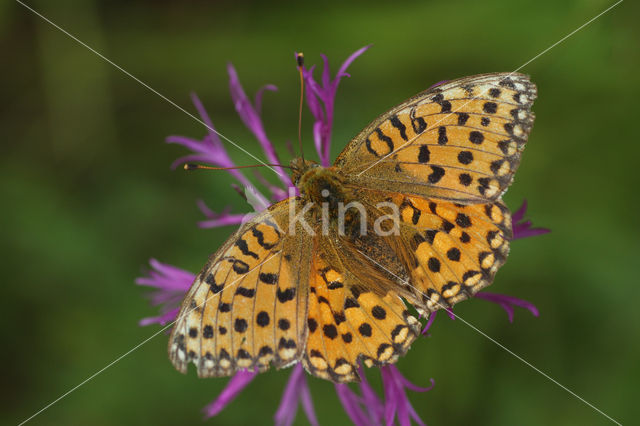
(247, 307)
(460, 141)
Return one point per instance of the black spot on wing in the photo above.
(476, 137)
(260, 237)
(268, 278)
(424, 154)
(244, 248)
(246, 292)
(462, 118)
(442, 135)
(395, 122)
(386, 139)
(436, 175)
(418, 123)
(286, 295)
(215, 287)
(370, 149)
(465, 157)
(238, 266)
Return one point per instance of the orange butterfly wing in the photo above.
(355, 313)
(460, 141)
(444, 158)
(247, 308)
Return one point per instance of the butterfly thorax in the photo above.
(332, 201)
(323, 185)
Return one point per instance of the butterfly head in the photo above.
(299, 167)
(319, 184)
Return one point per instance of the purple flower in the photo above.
(370, 409)
(215, 220)
(321, 100)
(236, 385)
(208, 150)
(367, 409)
(508, 302)
(171, 283)
(250, 114)
(396, 400)
(354, 406)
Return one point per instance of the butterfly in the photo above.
(409, 215)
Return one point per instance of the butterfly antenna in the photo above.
(192, 166)
(300, 62)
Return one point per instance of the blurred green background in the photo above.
(88, 197)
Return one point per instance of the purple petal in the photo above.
(296, 391)
(314, 87)
(214, 219)
(215, 139)
(349, 61)
(230, 392)
(508, 302)
(397, 403)
(417, 388)
(172, 284)
(450, 313)
(307, 404)
(167, 277)
(524, 229)
(437, 84)
(258, 98)
(311, 96)
(321, 100)
(243, 106)
(289, 402)
(390, 396)
(318, 142)
(427, 326)
(160, 319)
(231, 219)
(209, 150)
(371, 400)
(252, 120)
(208, 212)
(326, 72)
(194, 145)
(519, 214)
(351, 404)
